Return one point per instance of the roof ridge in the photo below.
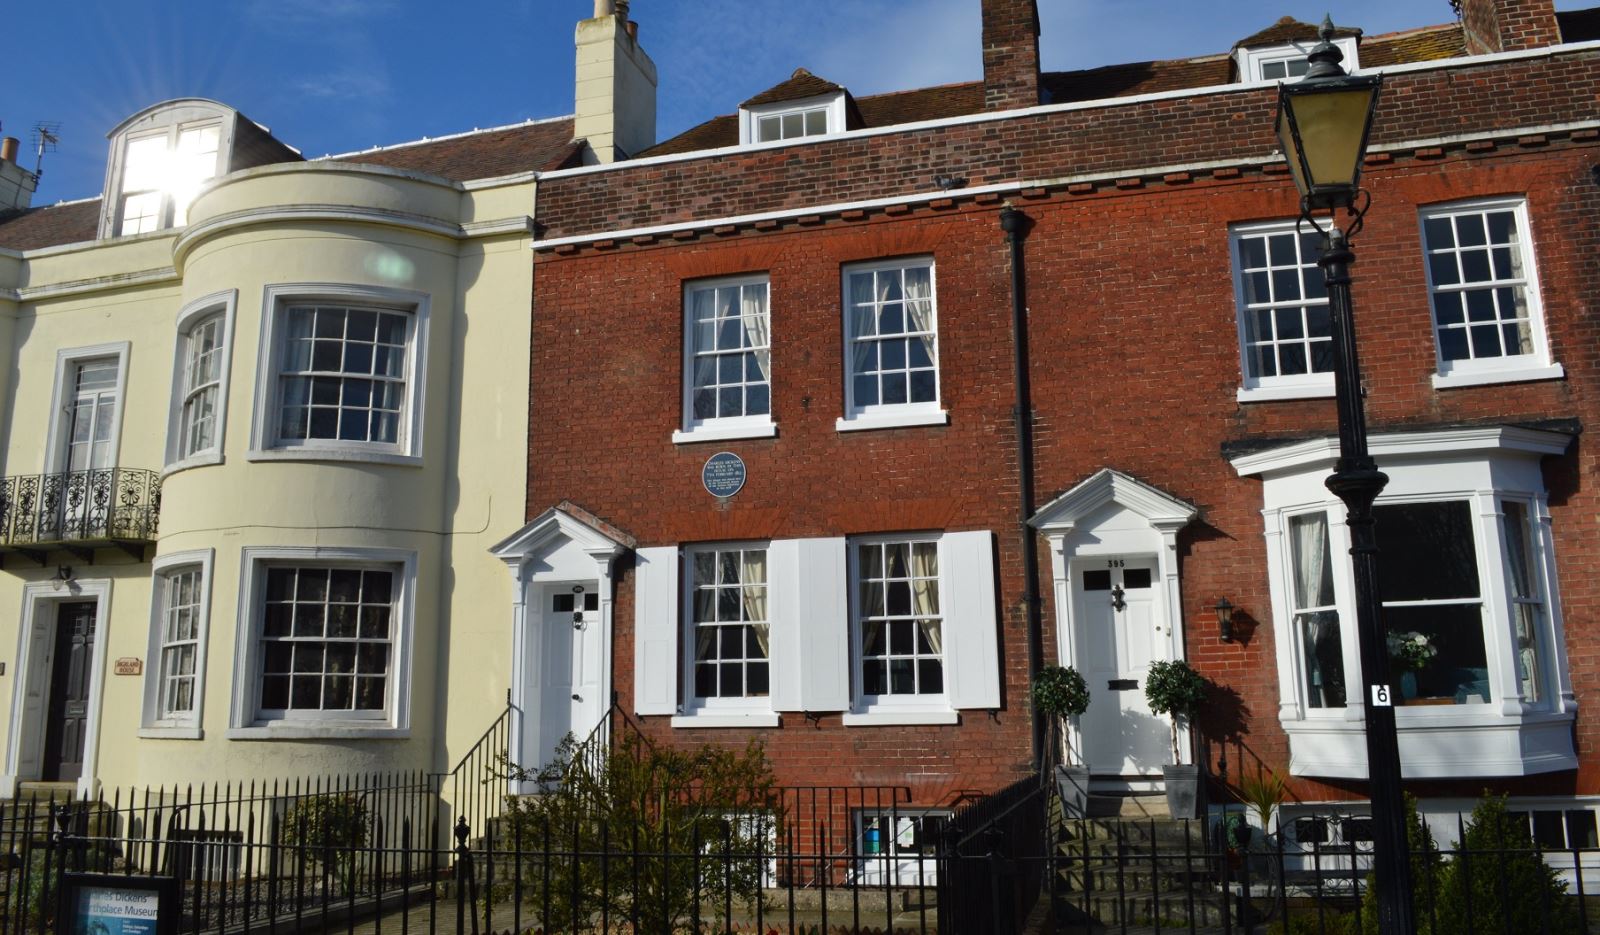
(475, 131)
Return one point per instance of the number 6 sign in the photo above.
(1380, 697)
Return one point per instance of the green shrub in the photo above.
(635, 803)
(1307, 922)
(1428, 872)
(332, 830)
(1060, 691)
(1499, 883)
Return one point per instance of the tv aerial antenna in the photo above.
(44, 137)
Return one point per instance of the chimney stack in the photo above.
(615, 92)
(1508, 25)
(17, 184)
(1010, 54)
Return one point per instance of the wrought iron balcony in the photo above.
(79, 511)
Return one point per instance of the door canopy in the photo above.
(1083, 504)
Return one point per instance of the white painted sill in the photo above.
(899, 718)
(311, 731)
(200, 459)
(1445, 381)
(354, 455)
(171, 733)
(896, 421)
(727, 719)
(717, 433)
(1271, 394)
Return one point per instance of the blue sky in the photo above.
(335, 75)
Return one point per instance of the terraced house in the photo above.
(778, 353)
(263, 417)
(824, 423)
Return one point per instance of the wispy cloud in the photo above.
(347, 83)
(302, 13)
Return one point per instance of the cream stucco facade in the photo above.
(421, 502)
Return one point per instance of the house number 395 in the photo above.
(1113, 563)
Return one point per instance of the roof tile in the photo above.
(799, 85)
(50, 225)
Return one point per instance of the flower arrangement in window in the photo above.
(1411, 650)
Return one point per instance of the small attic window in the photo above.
(1287, 61)
(792, 120)
(158, 162)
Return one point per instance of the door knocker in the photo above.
(577, 620)
(1117, 603)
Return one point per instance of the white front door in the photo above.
(1122, 628)
(568, 667)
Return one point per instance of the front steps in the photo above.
(1130, 864)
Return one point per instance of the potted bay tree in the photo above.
(1060, 693)
(1175, 689)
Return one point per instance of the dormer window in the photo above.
(1281, 51)
(161, 174)
(162, 156)
(1288, 61)
(812, 121)
(802, 106)
(792, 120)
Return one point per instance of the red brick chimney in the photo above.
(1010, 54)
(1507, 25)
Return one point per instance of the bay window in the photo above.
(342, 375)
(199, 410)
(1470, 619)
(174, 689)
(324, 650)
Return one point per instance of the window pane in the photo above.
(1427, 551)
(1437, 652)
(1478, 273)
(729, 631)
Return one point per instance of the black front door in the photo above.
(69, 691)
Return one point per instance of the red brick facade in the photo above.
(1135, 362)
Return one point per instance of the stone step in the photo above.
(1103, 877)
(1141, 908)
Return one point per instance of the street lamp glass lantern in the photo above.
(1323, 125)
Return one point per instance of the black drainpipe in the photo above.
(1015, 224)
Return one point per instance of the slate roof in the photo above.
(799, 85)
(955, 100)
(50, 225)
(543, 145)
(1290, 29)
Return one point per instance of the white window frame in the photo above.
(167, 121)
(62, 390)
(1537, 365)
(265, 445)
(155, 723)
(891, 866)
(750, 118)
(930, 708)
(717, 428)
(744, 712)
(195, 313)
(1265, 389)
(245, 719)
(1484, 466)
(889, 415)
(1250, 61)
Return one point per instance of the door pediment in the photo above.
(560, 537)
(1079, 507)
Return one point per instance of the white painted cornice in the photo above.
(1322, 452)
(551, 530)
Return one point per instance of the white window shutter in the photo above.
(655, 630)
(810, 625)
(784, 645)
(971, 640)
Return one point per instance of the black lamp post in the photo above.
(1323, 122)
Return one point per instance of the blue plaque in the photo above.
(723, 474)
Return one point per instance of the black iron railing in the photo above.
(107, 505)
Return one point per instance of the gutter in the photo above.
(1015, 225)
